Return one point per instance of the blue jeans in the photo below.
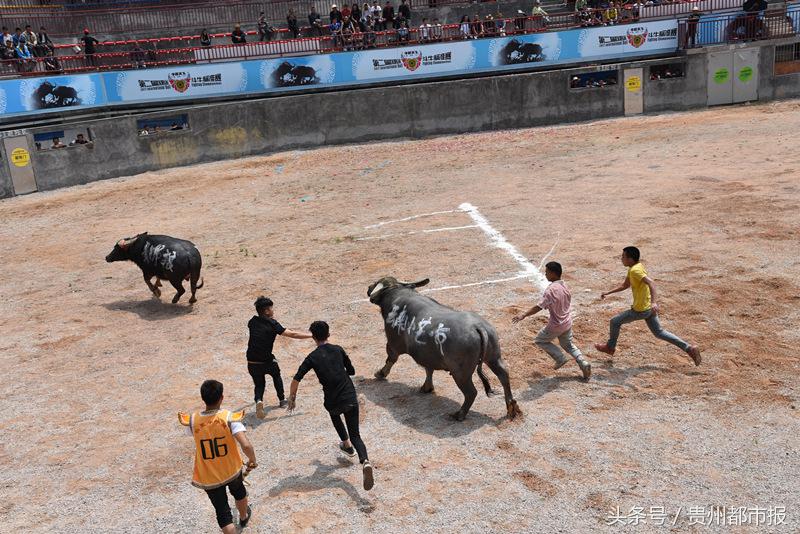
(629, 316)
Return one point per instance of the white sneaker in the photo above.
(260, 413)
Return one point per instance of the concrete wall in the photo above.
(228, 130)
(6, 187)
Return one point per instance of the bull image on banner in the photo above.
(297, 71)
(524, 49)
(58, 92)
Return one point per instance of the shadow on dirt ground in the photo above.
(426, 412)
(323, 477)
(151, 309)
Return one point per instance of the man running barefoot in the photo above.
(644, 308)
(333, 369)
(557, 300)
(217, 462)
(260, 360)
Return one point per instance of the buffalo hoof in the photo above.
(458, 416)
(192, 300)
(157, 293)
(513, 410)
(380, 375)
(426, 388)
(175, 299)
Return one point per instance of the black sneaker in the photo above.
(243, 522)
(349, 451)
(284, 403)
(369, 479)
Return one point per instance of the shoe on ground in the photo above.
(243, 522)
(602, 347)
(561, 363)
(369, 479)
(284, 403)
(349, 451)
(260, 413)
(694, 354)
(586, 369)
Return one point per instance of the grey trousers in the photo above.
(629, 316)
(544, 340)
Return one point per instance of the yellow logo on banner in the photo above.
(634, 83)
(20, 157)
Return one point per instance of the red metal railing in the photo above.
(146, 58)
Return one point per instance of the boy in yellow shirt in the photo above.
(644, 308)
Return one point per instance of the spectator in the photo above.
(464, 27)
(584, 17)
(23, 53)
(580, 4)
(264, 29)
(610, 15)
(476, 27)
(500, 22)
(539, 15)
(345, 12)
(377, 17)
(424, 30)
(138, 57)
(403, 33)
(368, 28)
(145, 131)
(336, 32)
(436, 30)
(175, 126)
(366, 12)
(18, 37)
(57, 143)
(51, 62)
(335, 15)
(45, 43)
(32, 41)
(315, 22)
(8, 55)
(388, 14)
(291, 21)
(80, 139)
(7, 37)
(238, 37)
(691, 27)
(348, 30)
(205, 38)
(519, 21)
(89, 44)
(404, 10)
(488, 25)
(356, 14)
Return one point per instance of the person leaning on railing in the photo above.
(291, 21)
(315, 22)
(237, 35)
(205, 38)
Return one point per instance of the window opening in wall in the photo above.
(589, 80)
(787, 59)
(66, 138)
(162, 124)
(667, 71)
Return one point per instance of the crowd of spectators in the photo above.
(25, 46)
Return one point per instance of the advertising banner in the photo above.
(51, 93)
(341, 69)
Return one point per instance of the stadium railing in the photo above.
(738, 27)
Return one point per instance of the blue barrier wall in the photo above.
(46, 94)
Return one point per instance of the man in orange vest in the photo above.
(217, 461)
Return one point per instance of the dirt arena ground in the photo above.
(96, 369)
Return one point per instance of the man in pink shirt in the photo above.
(557, 299)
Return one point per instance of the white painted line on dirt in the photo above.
(410, 218)
(547, 256)
(471, 284)
(429, 231)
(502, 243)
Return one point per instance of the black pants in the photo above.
(350, 414)
(220, 500)
(259, 371)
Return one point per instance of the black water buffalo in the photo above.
(516, 52)
(163, 257)
(439, 338)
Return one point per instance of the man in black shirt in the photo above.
(333, 369)
(89, 44)
(260, 360)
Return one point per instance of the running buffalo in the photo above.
(162, 257)
(439, 339)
